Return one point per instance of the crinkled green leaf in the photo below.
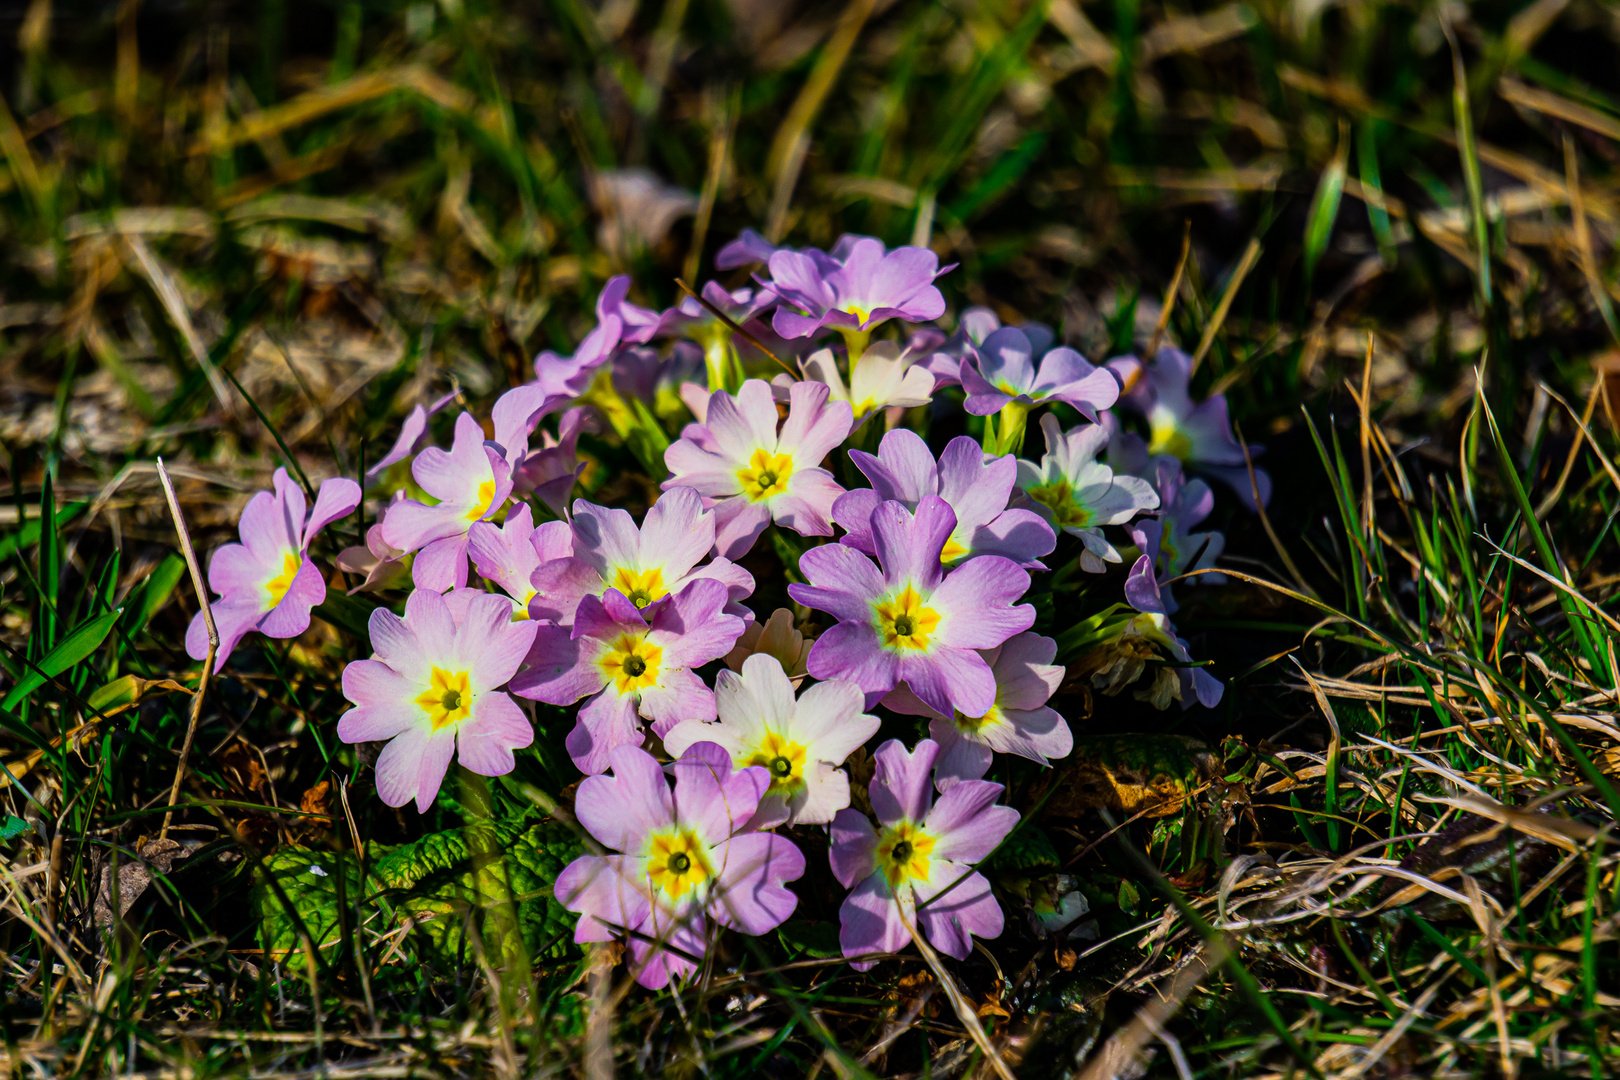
(444, 882)
(1028, 852)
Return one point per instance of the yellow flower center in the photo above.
(902, 852)
(486, 495)
(954, 550)
(784, 759)
(903, 622)
(520, 611)
(1167, 437)
(861, 314)
(277, 586)
(632, 663)
(640, 587)
(676, 862)
(766, 475)
(447, 700)
(1066, 509)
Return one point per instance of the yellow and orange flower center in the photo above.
(677, 862)
(631, 664)
(1166, 436)
(903, 851)
(784, 759)
(277, 586)
(486, 496)
(766, 475)
(903, 622)
(640, 587)
(1058, 497)
(448, 698)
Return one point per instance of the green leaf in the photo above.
(75, 647)
(154, 593)
(803, 937)
(28, 535)
(439, 881)
(13, 826)
(348, 613)
(1028, 852)
(1325, 205)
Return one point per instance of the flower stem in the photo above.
(855, 341)
(1010, 425)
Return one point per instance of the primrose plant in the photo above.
(958, 589)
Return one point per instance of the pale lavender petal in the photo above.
(814, 425)
(559, 668)
(489, 643)
(605, 722)
(1019, 535)
(399, 766)
(749, 895)
(853, 851)
(850, 650)
(902, 789)
(870, 922)
(690, 625)
(676, 533)
(290, 617)
(486, 739)
(979, 599)
(952, 921)
(1006, 361)
(842, 582)
(960, 757)
(375, 683)
(623, 809)
(806, 507)
(853, 513)
(442, 564)
(1142, 588)
(600, 891)
(679, 695)
(378, 722)
(976, 489)
(738, 523)
(336, 498)
(950, 679)
(966, 822)
(560, 585)
(712, 797)
(231, 621)
(909, 545)
(437, 752)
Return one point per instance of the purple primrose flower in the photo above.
(645, 564)
(1200, 435)
(916, 871)
(268, 582)
(630, 661)
(676, 860)
(751, 472)
(1190, 683)
(433, 688)
(909, 620)
(800, 742)
(1002, 370)
(1168, 537)
(1079, 494)
(976, 486)
(856, 292)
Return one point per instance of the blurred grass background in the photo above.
(336, 210)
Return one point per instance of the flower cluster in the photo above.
(913, 575)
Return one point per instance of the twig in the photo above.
(1250, 254)
(736, 328)
(174, 305)
(959, 1002)
(1171, 293)
(201, 587)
